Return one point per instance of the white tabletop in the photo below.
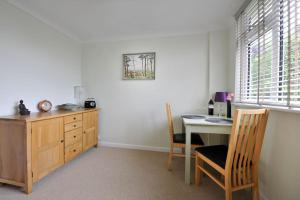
(204, 122)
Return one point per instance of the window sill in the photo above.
(276, 108)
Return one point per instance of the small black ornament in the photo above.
(22, 109)
(211, 107)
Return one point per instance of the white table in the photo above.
(199, 126)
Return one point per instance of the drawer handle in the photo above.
(74, 150)
(74, 118)
(62, 141)
(74, 136)
(74, 125)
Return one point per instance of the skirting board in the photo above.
(137, 147)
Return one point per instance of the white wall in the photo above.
(133, 111)
(280, 163)
(218, 71)
(218, 61)
(36, 62)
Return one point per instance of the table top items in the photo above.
(206, 120)
(193, 116)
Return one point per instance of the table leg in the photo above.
(182, 127)
(188, 155)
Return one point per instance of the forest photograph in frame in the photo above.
(139, 66)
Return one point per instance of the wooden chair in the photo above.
(178, 140)
(238, 164)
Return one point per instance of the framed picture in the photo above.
(139, 66)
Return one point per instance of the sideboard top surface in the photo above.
(47, 115)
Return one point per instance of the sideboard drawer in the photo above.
(72, 118)
(73, 137)
(72, 126)
(72, 151)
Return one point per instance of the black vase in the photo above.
(228, 109)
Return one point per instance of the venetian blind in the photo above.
(267, 57)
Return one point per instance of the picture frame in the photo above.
(139, 66)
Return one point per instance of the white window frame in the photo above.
(251, 36)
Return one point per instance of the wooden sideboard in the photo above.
(33, 146)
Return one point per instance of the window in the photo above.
(268, 53)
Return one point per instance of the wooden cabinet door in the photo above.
(47, 146)
(90, 132)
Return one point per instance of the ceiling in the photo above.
(100, 20)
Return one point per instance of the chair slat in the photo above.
(240, 153)
(249, 150)
(229, 170)
(241, 167)
(170, 121)
(237, 151)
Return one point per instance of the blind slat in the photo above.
(268, 53)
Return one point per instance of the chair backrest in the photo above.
(170, 121)
(245, 145)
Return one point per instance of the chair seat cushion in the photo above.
(195, 138)
(216, 153)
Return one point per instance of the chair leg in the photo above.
(255, 190)
(170, 159)
(228, 191)
(198, 172)
(228, 194)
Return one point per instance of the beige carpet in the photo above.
(119, 174)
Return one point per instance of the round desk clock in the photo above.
(45, 105)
